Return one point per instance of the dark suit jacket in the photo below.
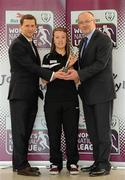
(95, 73)
(25, 70)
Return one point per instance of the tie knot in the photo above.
(84, 42)
(85, 39)
(30, 42)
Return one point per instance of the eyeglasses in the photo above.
(85, 22)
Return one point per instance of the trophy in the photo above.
(75, 51)
(73, 57)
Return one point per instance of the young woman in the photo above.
(61, 106)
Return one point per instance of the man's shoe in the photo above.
(99, 172)
(14, 170)
(54, 170)
(28, 172)
(89, 168)
(32, 169)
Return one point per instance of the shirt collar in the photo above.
(56, 53)
(29, 40)
(90, 35)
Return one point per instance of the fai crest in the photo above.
(45, 17)
(109, 16)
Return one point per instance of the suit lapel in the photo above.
(90, 42)
(37, 54)
(89, 45)
(36, 57)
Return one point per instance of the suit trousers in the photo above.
(66, 115)
(98, 119)
(23, 114)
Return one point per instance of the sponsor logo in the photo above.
(42, 37)
(45, 17)
(38, 143)
(109, 29)
(85, 146)
(109, 15)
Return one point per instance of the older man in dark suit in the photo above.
(96, 89)
(24, 91)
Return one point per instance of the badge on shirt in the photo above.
(53, 61)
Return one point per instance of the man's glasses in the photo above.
(85, 22)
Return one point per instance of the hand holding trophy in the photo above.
(73, 57)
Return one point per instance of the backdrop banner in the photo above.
(110, 18)
(48, 14)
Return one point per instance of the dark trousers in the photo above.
(23, 114)
(64, 114)
(98, 119)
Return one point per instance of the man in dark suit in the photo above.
(24, 92)
(96, 89)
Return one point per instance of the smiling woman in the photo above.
(61, 106)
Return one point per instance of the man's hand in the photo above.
(71, 75)
(58, 75)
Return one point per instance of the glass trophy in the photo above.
(74, 52)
